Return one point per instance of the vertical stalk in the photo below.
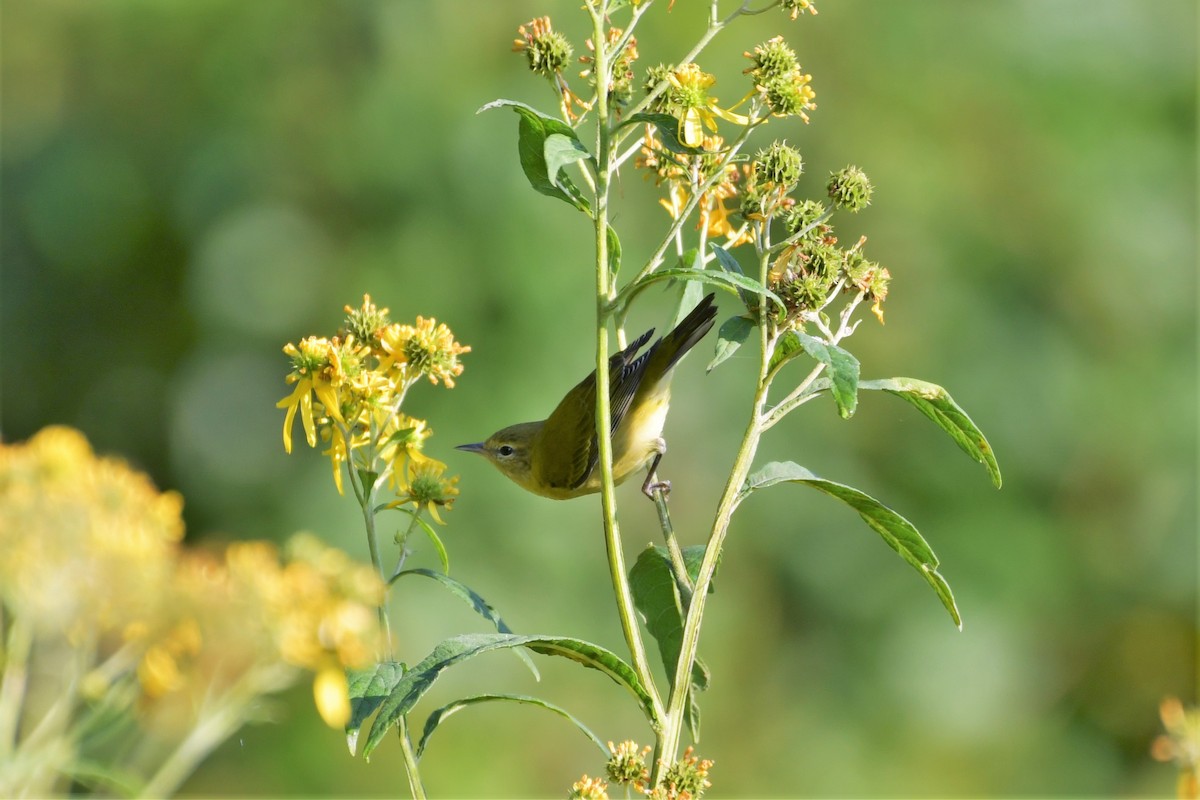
(668, 743)
(608, 502)
(13, 680)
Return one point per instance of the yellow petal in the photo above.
(328, 397)
(728, 116)
(691, 128)
(332, 696)
(310, 428)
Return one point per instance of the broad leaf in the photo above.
(482, 607)
(655, 594)
(689, 298)
(417, 681)
(668, 132)
(730, 337)
(786, 347)
(440, 715)
(368, 688)
(936, 403)
(534, 132)
(898, 532)
(843, 371)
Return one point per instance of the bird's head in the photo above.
(510, 449)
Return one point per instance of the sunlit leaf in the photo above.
(482, 607)
(368, 688)
(843, 371)
(417, 681)
(730, 337)
(936, 403)
(898, 532)
(534, 130)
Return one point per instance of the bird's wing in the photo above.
(577, 411)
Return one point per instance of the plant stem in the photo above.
(410, 760)
(12, 685)
(678, 565)
(668, 742)
(608, 502)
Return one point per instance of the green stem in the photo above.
(608, 502)
(678, 565)
(208, 732)
(410, 760)
(17, 647)
(668, 743)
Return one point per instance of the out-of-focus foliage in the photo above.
(186, 185)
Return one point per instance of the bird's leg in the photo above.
(657, 491)
(652, 485)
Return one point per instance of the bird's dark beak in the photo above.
(478, 447)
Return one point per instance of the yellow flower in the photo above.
(426, 487)
(689, 91)
(589, 789)
(1181, 744)
(425, 349)
(316, 370)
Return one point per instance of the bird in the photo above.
(558, 457)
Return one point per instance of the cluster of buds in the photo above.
(784, 88)
(620, 86)
(627, 765)
(349, 390)
(686, 779)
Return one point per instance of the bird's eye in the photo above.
(505, 450)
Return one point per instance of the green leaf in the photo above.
(936, 403)
(730, 337)
(843, 371)
(534, 131)
(656, 596)
(729, 263)
(560, 151)
(898, 532)
(786, 348)
(443, 556)
(482, 607)
(728, 281)
(614, 251)
(668, 132)
(689, 298)
(440, 715)
(368, 688)
(417, 681)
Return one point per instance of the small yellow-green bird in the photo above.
(557, 457)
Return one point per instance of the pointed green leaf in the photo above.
(417, 681)
(368, 688)
(936, 403)
(729, 263)
(843, 371)
(439, 715)
(655, 594)
(443, 556)
(786, 347)
(730, 337)
(614, 251)
(898, 532)
(668, 131)
(482, 607)
(533, 132)
(561, 150)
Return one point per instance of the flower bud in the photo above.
(850, 188)
(547, 50)
(780, 165)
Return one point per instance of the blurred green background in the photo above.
(188, 186)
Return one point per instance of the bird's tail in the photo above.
(690, 330)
